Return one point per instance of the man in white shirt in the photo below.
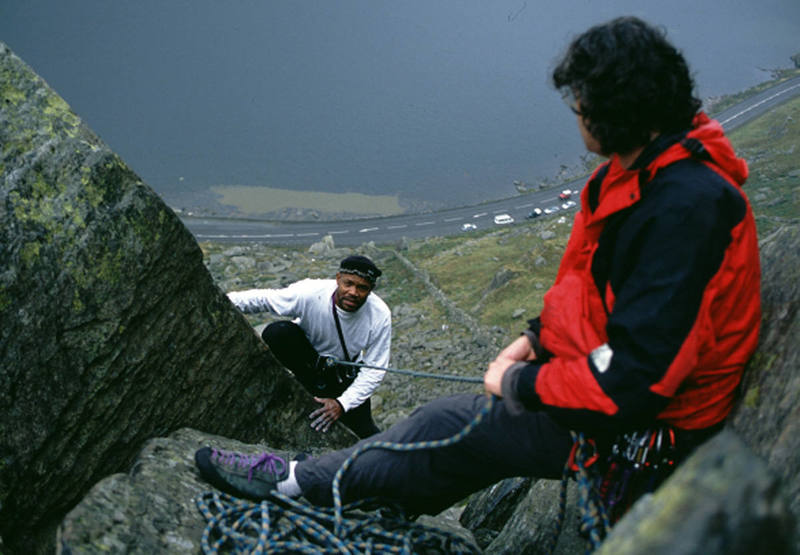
(333, 319)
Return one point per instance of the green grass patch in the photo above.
(771, 146)
(398, 285)
(464, 270)
(261, 200)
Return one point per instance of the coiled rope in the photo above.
(285, 525)
(281, 524)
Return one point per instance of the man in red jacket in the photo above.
(645, 332)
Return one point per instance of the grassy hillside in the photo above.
(771, 146)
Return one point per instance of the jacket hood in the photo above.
(620, 188)
(715, 144)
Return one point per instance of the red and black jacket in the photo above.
(656, 306)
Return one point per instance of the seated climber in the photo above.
(644, 335)
(337, 319)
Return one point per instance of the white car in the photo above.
(468, 227)
(567, 205)
(502, 219)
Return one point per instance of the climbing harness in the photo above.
(281, 524)
(639, 462)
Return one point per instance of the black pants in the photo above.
(430, 480)
(426, 481)
(291, 347)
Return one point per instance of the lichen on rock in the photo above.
(112, 331)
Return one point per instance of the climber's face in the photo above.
(351, 291)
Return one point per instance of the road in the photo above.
(380, 230)
(445, 222)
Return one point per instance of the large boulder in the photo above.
(150, 509)
(520, 517)
(111, 328)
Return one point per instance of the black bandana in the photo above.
(360, 266)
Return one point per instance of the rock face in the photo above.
(768, 418)
(722, 500)
(111, 329)
(518, 517)
(162, 485)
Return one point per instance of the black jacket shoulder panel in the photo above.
(658, 257)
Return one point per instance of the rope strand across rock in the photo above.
(414, 373)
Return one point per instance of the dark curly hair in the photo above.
(630, 81)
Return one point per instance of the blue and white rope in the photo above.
(594, 521)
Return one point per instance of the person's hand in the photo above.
(519, 349)
(327, 414)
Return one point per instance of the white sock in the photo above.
(289, 486)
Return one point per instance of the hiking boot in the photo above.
(239, 474)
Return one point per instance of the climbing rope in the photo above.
(416, 446)
(281, 524)
(285, 525)
(414, 373)
(594, 522)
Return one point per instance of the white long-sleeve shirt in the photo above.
(367, 331)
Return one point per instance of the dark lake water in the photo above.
(440, 102)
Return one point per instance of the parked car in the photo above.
(567, 205)
(468, 227)
(502, 219)
(551, 210)
(535, 213)
(565, 194)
